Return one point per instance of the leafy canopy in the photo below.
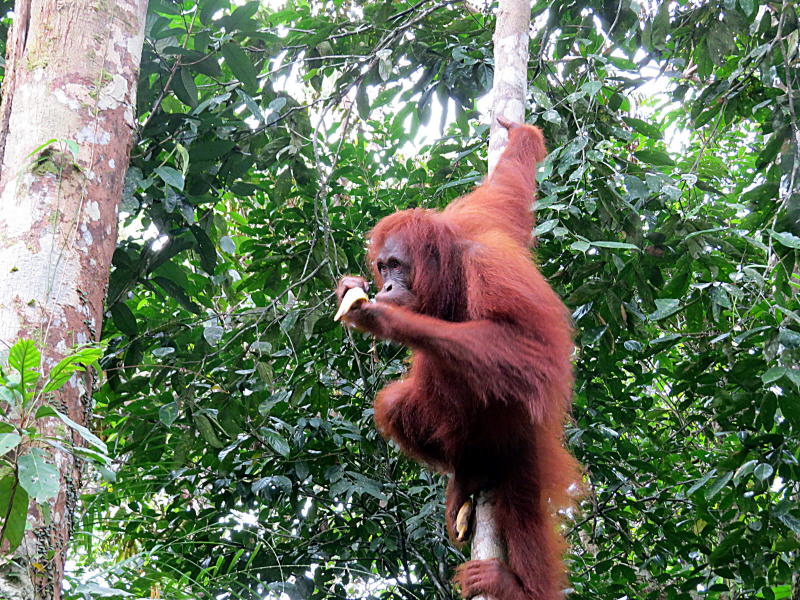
(272, 138)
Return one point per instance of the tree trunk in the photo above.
(510, 83)
(509, 94)
(66, 123)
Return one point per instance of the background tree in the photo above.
(65, 129)
(271, 138)
(509, 98)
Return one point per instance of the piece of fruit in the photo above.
(351, 297)
(462, 520)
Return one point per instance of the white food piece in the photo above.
(351, 297)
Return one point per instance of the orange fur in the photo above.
(490, 381)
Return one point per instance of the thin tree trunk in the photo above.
(486, 542)
(66, 124)
(510, 84)
(509, 94)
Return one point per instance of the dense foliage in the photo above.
(238, 414)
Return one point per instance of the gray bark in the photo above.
(509, 94)
(486, 542)
(66, 124)
(510, 84)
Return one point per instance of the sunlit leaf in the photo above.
(38, 477)
(170, 176)
(9, 441)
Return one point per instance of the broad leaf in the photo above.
(13, 511)
(38, 477)
(9, 441)
(238, 61)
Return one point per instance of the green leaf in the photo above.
(704, 117)
(9, 441)
(261, 347)
(207, 65)
(362, 101)
(384, 69)
(41, 147)
(619, 245)
(791, 522)
(763, 471)
(184, 87)
(70, 364)
(45, 411)
(38, 477)
(212, 149)
(369, 486)
(251, 105)
(168, 413)
(719, 296)
(545, 227)
(773, 374)
(278, 104)
(636, 187)
(657, 158)
(789, 338)
(206, 430)
(208, 253)
(227, 245)
(552, 116)
(277, 441)
(471, 177)
(643, 127)
(182, 158)
(242, 17)
(787, 239)
(273, 481)
(261, 484)
(239, 63)
(760, 193)
(175, 290)
(794, 376)
(83, 432)
(61, 374)
(171, 177)
(772, 148)
(310, 321)
(744, 470)
(790, 407)
(660, 26)
(701, 482)
(592, 335)
(725, 548)
(25, 358)
(719, 483)
(590, 88)
(580, 246)
(13, 512)
(719, 41)
(213, 334)
(107, 474)
(665, 307)
(9, 396)
(124, 319)
(208, 8)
